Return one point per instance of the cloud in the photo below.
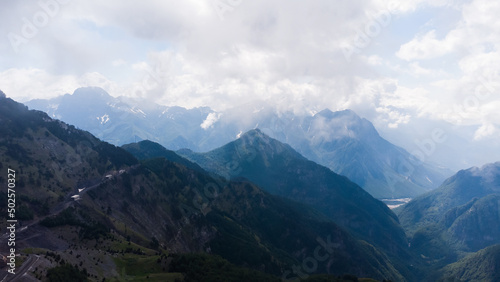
(426, 46)
(286, 53)
(184, 52)
(428, 62)
(485, 131)
(35, 83)
(44, 85)
(473, 33)
(393, 118)
(119, 62)
(210, 120)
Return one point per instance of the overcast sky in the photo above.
(391, 62)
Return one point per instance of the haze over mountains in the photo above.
(255, 205)
(341, 141)
(464, 212)
(441, 231)
(147, 215)
(280, 170)
(456, 220)
(234, 141)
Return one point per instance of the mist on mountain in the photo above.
(342, 141)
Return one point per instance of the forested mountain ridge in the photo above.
(154, 212)
(280, 170)
(461, 217)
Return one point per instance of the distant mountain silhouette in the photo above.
(460, 216)
(341, 141)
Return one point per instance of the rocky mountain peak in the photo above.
(327, 113)
(91, 94)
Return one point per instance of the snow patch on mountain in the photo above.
(104, 119)
(138, 111)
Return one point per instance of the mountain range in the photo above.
(444, 245)
(480, 266)
(460, 217)
(120, 120)
(282, 171)
(152, 218)
(254, 209)
(457, 194)
(342, 141)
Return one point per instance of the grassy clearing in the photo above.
(143, 268)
